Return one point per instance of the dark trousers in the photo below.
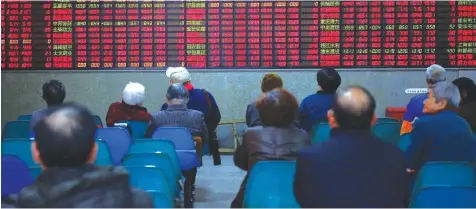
(189, 186)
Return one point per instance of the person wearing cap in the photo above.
(440, 135)
(130, 108)
(201, 100)
(434, 74)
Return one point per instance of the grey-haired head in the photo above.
(177, 94)
(442, 95)
(435, 74)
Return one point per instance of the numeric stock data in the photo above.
(101, 35)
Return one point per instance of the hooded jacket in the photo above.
(84, 187)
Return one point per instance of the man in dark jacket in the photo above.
(354, 169)
(65, 148)
(314, 107)
(199, 100)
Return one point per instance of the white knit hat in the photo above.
(178, 74)
(133, 94)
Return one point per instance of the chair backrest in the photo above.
(320, 132)
(404, 142)
(160, 200)
(158, 160)
(149, 178)
(445, 174)
(181, 137)
(103, 157)
(15, 175)
(388, 131)
(138, 128)
(117, 139)
(270, 185)
(184, 145)
(16, 129)
(98, 121)
(384, 120)
(24, 117)
(157, 145)
(445, 197)
(21, 148)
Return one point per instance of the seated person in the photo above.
(270, 81)
(178, 115)
(65, 148)
(442, 135)
(277, 139)
(467, 106)
(434, 74)
(53, 94)
(353, 169)
(130, 108)
(314, 107)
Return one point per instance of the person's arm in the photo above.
(150, 129)
(204, 130)
(417, 146)
(111, 116)
(302, 117)
(240, 157)
(248, 115)
(303, 190)
(408, 118)
(217, 113)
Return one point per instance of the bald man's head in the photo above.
(65, 137)
(354, 108)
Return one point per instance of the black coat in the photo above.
(84, 187)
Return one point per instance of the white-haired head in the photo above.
(434, 74)
(133, 94)
(178, 75)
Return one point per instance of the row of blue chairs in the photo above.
(387, 129)
(167, 156)
(439, 184)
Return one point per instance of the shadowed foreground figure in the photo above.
(65, 148)
(354, 169)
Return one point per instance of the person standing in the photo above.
(201, 100)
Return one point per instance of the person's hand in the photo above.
(410, 170)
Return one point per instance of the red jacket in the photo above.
(119, 111)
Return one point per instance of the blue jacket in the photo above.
(313, 109)
(441, 137)
(354, 169)
(197, 101)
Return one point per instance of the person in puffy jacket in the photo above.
(65, 148)
(277, 139)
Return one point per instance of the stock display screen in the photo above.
(101, 35)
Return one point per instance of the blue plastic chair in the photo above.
(20, 148)
(160, 200)
(385, 120)
(103, 157)
(98, 121)
(445, 174)
(16, 129)
(35, 171)
(388, 131)
(158, 160)
(117, 139)
(15, 175)
(320, 132)
(138, 128)
(24, 117)
(404, 142)
(157, 145)
(270, 185)
(445, 197)
(184, 145)
(150, 178)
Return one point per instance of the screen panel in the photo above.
(101, 35)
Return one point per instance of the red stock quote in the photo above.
(103, 35)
